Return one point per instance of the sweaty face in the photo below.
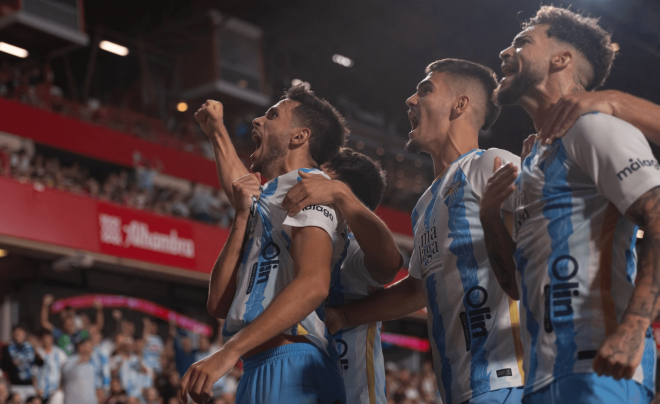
(428, 112)
(271, 134)
(523, 64)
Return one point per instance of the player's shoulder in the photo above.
(482, 162)
(596, 126)
(286, 181)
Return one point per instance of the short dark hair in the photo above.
(45, 331)
(328, 127)
(582, 33)
(363, 175)
(19, 325)
(476, 73)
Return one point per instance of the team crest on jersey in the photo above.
(451, 189)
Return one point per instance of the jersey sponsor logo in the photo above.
(474, 321)
(321, 209)
(261, 270)
(636, 165)
(504, 372)
(342, 347)
(428, 245)
(560, 302)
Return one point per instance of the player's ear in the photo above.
(561, 59)
(300, 136)
(461, 105)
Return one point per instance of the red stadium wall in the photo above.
(82, 223)
(115, 147)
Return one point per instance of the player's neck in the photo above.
(291, 161)
(540, 100)
(449, 148)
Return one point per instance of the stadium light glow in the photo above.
(3, 253)
(342, 60)
(113, 48)
(297, 82)
(13, 50)
(182, 107)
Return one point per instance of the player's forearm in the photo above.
(381, 254)
(301, 297)
(222, 285)
(501, 249)
(228, 164)
(644, 303)
(640, 113)
(402, 298)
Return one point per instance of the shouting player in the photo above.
(587, 306)
(473, 324)
(274, 271)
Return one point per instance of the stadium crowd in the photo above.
(132, 188)
(74, 360)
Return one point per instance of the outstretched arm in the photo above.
(499, 244)
(398, 300)
(311, 248)
(229, 166)
(622, 351)
(642, 114)
(382, 257)
(45, 323)
(222, 286)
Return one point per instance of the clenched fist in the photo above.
(209, 116)
(244, 189)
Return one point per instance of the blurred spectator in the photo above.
(18, 358)
(67, 337)
(33, 400)
(4, 391)
(117, 393)
(151, 396)
(203, 205)
(153, 345)
(50, 374)
(169, 389)
(100, 361)
(78, 377)
(184, 354)
(129, 367)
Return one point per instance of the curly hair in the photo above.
(584, 34)
(476, 73)
(363, 175)
(328, 127)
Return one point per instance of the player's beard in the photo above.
(413, 146)
(264, 164)
(525, 80)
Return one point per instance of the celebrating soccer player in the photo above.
(587, 306)
(473, 324)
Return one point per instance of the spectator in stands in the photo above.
(184, 354)
(15, 398)
(153, 345)
(203, 205)
(4, 391)
(151, 396)
(129, 367)
(68, 337)
(179, 207)
(78, 377)
(49, 375)
(33, 400)
(170, 388)
(117, 393)
(100, 361)
(18, 358)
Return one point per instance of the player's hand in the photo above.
(244, 189)
(622, 351)
(198, 380)
(528, 144)
(334, 319)
(98, 305)
(498, 189)
(571, 107)
(48, 300)
(117, 315)
(209, 116)
(312, 189)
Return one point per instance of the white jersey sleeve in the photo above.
(481, 169)
(413, 266)
(354, 267)
(323, 216)
(615, 155)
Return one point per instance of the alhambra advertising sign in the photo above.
(145, 237)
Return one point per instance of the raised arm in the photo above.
(622, 351)
(228, 165)
(45, 305)
(402, 298)
(382, 257)
(222, 286)
(100, 320)
(499, 244)
(311, 248)
(642, 114)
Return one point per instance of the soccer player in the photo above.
(274, 271)
(473, 324)
(587, 306)
(359, 182)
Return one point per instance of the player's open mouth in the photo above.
(257, 140)
(509, 70)
(414, 121)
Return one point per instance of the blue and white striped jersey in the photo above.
(49, 374)
(473, 324)
(574, 243)
(267, 265)
(360, 350)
